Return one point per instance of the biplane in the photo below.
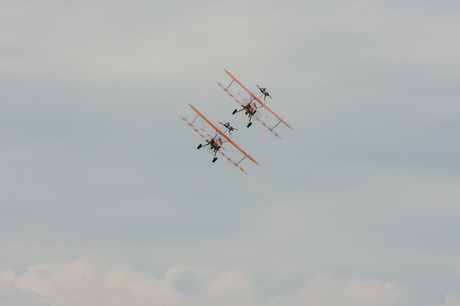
(217, 142)
(253, 105)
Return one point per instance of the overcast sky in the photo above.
(104, 199)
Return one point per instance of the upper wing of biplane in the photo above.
(251, 98)
(204, 132)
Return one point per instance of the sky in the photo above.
(104, 199)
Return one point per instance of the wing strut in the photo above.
(230, 84)
(241, 160)
(276, 125)
(195, 118)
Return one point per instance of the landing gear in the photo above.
(250, 123)
(237, 111)
(215, 152)
(202, 146)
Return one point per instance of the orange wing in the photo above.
(257, 99)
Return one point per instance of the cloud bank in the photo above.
(87, 282)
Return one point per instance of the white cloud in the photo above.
(91, 283)
(351, 291)
(83, 282)
(452, 299)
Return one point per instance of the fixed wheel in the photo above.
(199, 146)
(234, 112)
(249, 124)
(214, 159)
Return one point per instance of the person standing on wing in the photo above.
(229, 127)
(264, 91)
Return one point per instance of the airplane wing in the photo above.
(205, 135)
(200, 131)
(258, 115)
(258, 100)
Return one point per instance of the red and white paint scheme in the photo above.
(251, 105)
(216, 142)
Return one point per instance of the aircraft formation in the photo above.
(217, 140)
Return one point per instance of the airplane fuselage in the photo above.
(250, 108)
(216, 143)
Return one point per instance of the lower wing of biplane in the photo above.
(253, 106)
(216, 139)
